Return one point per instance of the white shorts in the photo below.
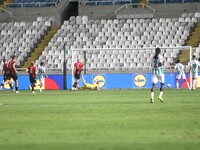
(181, 75)
(194, 75)
(158, 78)
(41, 80)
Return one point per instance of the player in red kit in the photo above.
(78, 67)
(13, 72)
(32, 76)
(6, 75)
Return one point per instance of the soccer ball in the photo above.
(168, 85)
(73, 89)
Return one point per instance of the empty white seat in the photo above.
(140, 65)
(3, 32)
(117, 33)
(194, 19)
(170, 60)
(17, 24)
(39, 19)
(133, 65)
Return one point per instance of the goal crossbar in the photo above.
(139, 48)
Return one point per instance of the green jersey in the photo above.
(156, 67)
(179, 68)
(195, 66)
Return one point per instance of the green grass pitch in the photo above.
(100, 120)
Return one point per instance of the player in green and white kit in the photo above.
(181, 73)
(157, 74)
(194, 66)
(41, 73)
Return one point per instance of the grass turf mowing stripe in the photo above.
(107, 119)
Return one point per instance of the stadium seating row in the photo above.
(80, 32)
(120, 2)
(109, 2)
(33, 3)
(171, 1)
(20, 38)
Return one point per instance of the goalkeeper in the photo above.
(88, 86)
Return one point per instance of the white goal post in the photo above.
(145, 53)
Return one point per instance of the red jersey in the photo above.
(5, 68)
(11, 66)
(79, 67)
(32, 71)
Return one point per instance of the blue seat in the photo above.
(104, 3)
(17, 1)
(173, 1)
(189, 1)
(50, 0)
(15, 5)
(43, 4)
(24, 1)
(34, 3)
(156, 1)
(109, 2)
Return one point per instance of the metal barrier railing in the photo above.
(105, 2)
(126, 6)
(6, 11)
(118, 2)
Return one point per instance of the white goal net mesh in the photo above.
(133, 59)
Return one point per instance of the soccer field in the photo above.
(100, 120)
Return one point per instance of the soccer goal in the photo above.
(112, 60)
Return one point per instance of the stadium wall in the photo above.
(5, 17)
(175, 10)
(107, 81)
(172, 10)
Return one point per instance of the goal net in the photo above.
(127, 60)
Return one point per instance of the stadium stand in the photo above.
(108, 2)
(121, 2)
(197, 50)
(32, 3)
(21, 38)
(80, 32)
(170, 1)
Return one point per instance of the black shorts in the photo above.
(14, 76)
(32, 79)
(6, 77)
(77, 76)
